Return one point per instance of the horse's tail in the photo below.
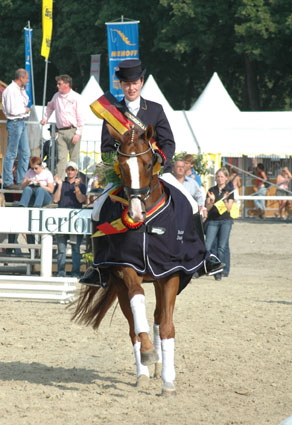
(92, 304)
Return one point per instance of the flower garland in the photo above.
(128, 222)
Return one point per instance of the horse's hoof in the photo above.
(142, 382)
(149, 357)
(168, 389)
(157, 370)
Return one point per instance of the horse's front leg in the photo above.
(138, 307)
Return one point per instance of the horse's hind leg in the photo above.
(156, 331)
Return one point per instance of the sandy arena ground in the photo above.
(233, 351)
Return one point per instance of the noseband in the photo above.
(143, 191)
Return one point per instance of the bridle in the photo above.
(142, 193)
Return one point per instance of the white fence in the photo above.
(46, 222)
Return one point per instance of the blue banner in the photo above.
(123, 43)
(28, 62)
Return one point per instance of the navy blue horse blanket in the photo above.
(178, 249)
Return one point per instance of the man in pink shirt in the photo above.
(69, 110)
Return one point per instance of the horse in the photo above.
(136, 161)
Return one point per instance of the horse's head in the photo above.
(136, 160)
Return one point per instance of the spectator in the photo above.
(14, 103)
(219, 220)
(261, 190)
(179, 172)
(70, 193)
(69, 110)
(283, 180)
(189, 161)
(37, 185)
(235, 180)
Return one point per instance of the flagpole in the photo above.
(47, 24)
(45, 85)
(31, 61)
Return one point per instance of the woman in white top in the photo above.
(37, 185)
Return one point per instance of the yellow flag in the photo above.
(47, 20)
(234, 212)
(221, 207)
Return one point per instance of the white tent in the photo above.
(151, 91)
(248, 133)
(214, 98)
(185, 140)
(220, 127)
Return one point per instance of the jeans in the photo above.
(61, 255)
(217, 240)
(17, 146)
(226, 257)
(35, 196)
(260, 203)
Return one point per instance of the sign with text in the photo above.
(123, 43)
(45, 220)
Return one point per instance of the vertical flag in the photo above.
(95, 66)
(47, 21)
(28, 64)
(123, 43)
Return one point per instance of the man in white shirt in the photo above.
(14, 103)
(190, 185)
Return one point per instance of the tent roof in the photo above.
(152, 92)
(214, 98)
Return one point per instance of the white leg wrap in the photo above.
(138, 307)
(168, 371)
(157, 342)
(140, 369)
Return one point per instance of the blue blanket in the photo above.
(179, 249)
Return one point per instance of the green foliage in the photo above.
(88, 258)
(105, 170)
(182, 43)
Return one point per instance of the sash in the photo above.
(107, 108)
(117, 115)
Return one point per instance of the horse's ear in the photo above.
(115, 135)
(149, 132)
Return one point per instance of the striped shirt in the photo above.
(69, 109)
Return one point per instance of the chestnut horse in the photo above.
(136, 160)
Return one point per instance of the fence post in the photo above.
(46, 255)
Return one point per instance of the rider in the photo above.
(131, 76)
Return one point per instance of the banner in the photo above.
(123, 43)
(28, 64)
(95, 67)
(47, 22)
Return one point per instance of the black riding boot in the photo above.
(97, 276)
